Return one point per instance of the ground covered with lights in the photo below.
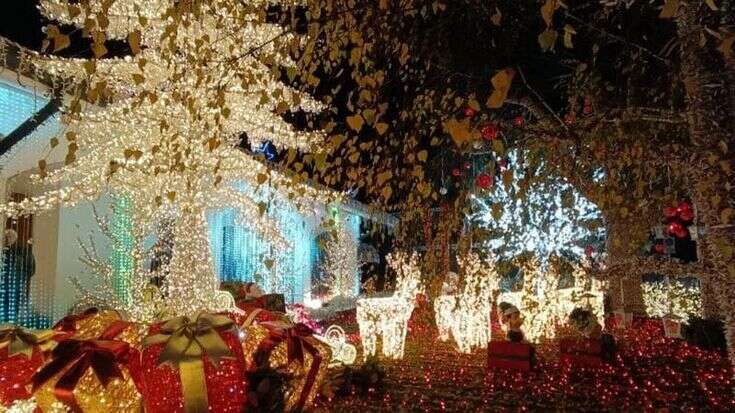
(651, 373)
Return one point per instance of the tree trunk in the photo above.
(709, 91)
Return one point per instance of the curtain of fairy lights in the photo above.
(240, 255)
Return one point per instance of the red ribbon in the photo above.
(296, 344)
(74, 357)
(69, 323)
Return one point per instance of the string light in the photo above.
(342, 351)
(340, 262)
(545, 308)
(467, 315)
(167, 140)
(673, 299)
(388, 316)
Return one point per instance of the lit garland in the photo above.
(467, 315)
(667, 299)
(168, 137)
(388, 316)
(545, 307)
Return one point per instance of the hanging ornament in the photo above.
(659, 248)
(469, 112)
(490, 131)
(467, 165)
(686, 215)
(503, 163)
(677, 229)
(443, 191)
(484, 181)
(456, 172)
(671, 212)
(519, 121)
(589, 250)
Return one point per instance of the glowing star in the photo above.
(387, 317)
(467, 315)
(167, 135)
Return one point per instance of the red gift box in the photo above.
(508, 355)
(581, 352)
(21, 354)
(194, 366)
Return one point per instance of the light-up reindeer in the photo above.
(388, 316)
(466, 314)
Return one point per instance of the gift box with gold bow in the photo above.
(194, 365)
(92, 374)
(291, 349)
(22, 352)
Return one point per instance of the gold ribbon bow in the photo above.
(185, 343)
(21, 341)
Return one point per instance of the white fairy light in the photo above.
(168, 133)
(388, 316)
(467, 314)
(545, 308)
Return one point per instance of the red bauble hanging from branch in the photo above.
(484, 181)
(469, 112)
(490, 131)
(456, 172)
(519, 121)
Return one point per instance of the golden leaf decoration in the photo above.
(726, 46)
(548, 9)
(501, 83)
(670, 9)
(547, 39)
(134, 42)
(459, 130)
(355, 122)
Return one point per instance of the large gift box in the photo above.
(92, 374)
(581, 352)
(507, 355)
(194, 366)
(293, 350)
(22, 352)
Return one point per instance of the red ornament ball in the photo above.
(519, 121)
(456, 172)
(503, 163)
(671, 212)
(677, 229)
(659, 248)
(686, 215)
(684, 206)
(490, 131)
(469, 112)
(467, 165)
(484, 181)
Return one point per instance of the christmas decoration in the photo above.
(507, 355)
(92, 374)
(340, 264)
(343, 353)
(168, 133)
(519, 121)
(290, 349)
(456, 172)
(490, 131)
(467, 315)
(388, 316)
(484, 181)
(22, 352)
(194, 365)
(469, 112)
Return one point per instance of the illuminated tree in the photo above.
(162, 126)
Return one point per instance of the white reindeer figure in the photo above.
(388, 316)
(466, 315)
